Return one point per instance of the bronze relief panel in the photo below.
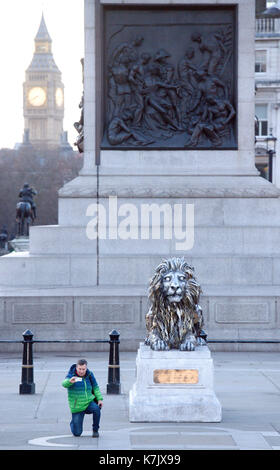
(169, 78)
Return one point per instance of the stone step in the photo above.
(24, 269)
(211, 211)
(215, 270)
(203, 240)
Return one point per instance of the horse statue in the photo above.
(23, 213)
(25, 210)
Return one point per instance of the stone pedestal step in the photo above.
(200, 240)
(24, 269)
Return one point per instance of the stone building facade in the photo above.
(267, 81)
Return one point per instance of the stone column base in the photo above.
(174, 386)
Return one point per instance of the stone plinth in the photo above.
(70, 286)
(174, 386)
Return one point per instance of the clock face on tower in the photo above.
(37, 96)
(59, 97)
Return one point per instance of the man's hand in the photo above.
(72, 380)
(100, 403)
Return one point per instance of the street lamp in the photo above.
(270, 148)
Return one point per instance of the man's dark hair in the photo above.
(81, 362)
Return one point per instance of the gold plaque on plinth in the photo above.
(176, 376)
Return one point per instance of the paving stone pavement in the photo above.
(246, 383)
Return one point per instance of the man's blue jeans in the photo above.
(76, 424)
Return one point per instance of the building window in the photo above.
(260, 62)
(262, 122)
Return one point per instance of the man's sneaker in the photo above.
(95, 434)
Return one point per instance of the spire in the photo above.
(42, 57)
(43, 34)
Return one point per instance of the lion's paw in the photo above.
(159, 345)
(201, 341)
(187, 346)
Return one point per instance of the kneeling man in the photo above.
(84, 397)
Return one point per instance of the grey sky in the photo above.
(19, 23)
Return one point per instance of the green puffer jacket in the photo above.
(81, 394)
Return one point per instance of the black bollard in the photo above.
(113, 385)
(27, 385)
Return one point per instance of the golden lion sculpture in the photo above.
(175, 318)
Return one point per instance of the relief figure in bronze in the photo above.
(180, 96)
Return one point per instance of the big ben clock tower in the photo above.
(43, 94)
